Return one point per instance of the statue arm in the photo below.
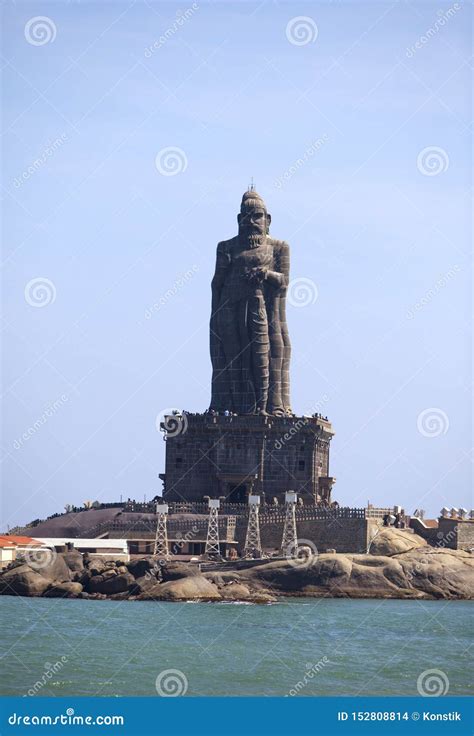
(281, 276)
(220, 274)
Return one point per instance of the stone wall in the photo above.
(342, 535)
(430, 533)
(456, 533)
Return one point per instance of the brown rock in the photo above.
(73, 560)
(178, 570)
(190, 588)
(63, 590)
(391, 541)
(22, 580)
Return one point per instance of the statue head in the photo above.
(254, 220)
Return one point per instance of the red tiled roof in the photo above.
(8, 539)
(5, 543)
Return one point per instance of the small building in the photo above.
(7, 552)
(112, 549)
(12, 546)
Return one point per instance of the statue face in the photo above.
(253, 225)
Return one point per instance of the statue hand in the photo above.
(256, 274)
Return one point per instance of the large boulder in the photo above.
(190, 588)
(422, 572)
(234, 592)
(73, 560)
(177, 570)
(390, 541)
(141, 585)
(142, 565)
(111, 585)
(96, 566)
(55, 570)
(440, 573)
(23, 580)
(63, 590)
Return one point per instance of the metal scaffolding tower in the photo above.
(161, 538)
(212, 541)
(289, 542)
(253, 545)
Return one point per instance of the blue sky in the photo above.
(338, 133)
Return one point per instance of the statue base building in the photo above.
(235, 456)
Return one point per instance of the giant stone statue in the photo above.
(249, 341)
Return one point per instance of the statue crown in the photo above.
(250, 200)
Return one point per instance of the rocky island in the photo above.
(398, 565)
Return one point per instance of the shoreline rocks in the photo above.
(397, 565)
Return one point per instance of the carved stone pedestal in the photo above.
(233, 456)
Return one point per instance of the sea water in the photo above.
(297, 647)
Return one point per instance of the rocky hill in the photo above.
(397, 567)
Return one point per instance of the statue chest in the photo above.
(260, 257)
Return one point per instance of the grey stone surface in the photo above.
(249, 340)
